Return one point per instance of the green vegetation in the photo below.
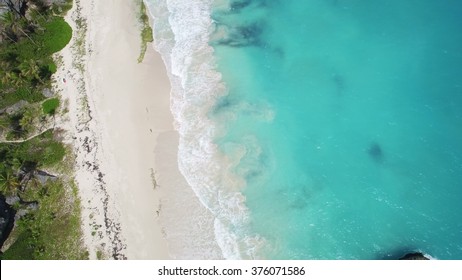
(99, 255)
(39, 152)
(50, 106)
(146, 31)
(52, 231)
(63, 8)
(26, 46)
(47, 206)
(58, 35)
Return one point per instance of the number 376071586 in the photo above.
(277, 270)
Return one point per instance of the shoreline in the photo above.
(190, 226)
(117, 109)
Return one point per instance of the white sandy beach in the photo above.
(117, 109)
(135, 202)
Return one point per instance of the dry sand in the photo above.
(117, 110)
(135, 202)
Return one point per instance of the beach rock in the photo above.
(6, 219)
(414, 256)
(12, 199)
(50, 2)
(27, 175)
(30, 207)
(21, 213)
(48, 93)
(18, 106)
(44, 177)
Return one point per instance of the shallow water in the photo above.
(331, 129)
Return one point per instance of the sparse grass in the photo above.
(146, 31)
(99, 255)
(78, 48)
(51, 232)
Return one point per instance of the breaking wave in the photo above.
(182, 30)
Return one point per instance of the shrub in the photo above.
(50, 106)
(57, 36)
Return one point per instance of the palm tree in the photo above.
(4, 68)
(26, 121)
(4, 33)
(18, 7)
(4, 124)
(6, 21)
(14, 26)
(30, 68)
(10, 78)
(37, 7)
(9, 183)
(4, 65)
(16, 164)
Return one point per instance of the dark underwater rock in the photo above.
(414, 256)
(239, 5)
(243, 36)
(375, 152)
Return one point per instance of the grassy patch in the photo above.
(57, 35)
(146, 32)
(52, 67)
(41, 151)
(49, 106)
(22, 93)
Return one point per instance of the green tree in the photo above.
(4, 123)
(30, 69)
(17, 7)
(14, 26)
(9, 183)
(27, 119)
(10, 78)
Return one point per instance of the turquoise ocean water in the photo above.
(320, 129)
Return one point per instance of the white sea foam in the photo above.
(182, 31)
